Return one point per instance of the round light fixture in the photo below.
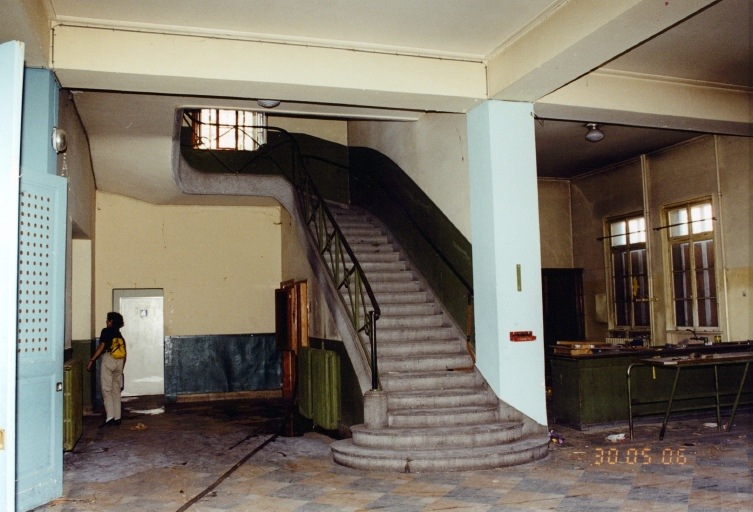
(594, 134)
(268, 103)
(59, 140)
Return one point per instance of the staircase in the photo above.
(440, 413)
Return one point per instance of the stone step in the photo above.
(392, 298)
(414, 333)
(391, 277)
(417, 348)
(408, 309)
(375, 256)
(437, 398)
(425, 363)
(398, 321)
(444, 438)
(444, 417)
(370, 247)
(527, 449)
(394, 286)
(382, 266)
(360, 230)
(414, 381)
(367, 239)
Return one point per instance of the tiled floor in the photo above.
(226, 456)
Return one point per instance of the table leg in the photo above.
(669, 404)
(630, 403)
(737, 398)
(718, 409)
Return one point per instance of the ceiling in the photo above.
(708, 50)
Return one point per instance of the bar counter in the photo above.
(591, 389)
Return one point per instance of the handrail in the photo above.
(410, 219)
(429, 240)
(333, 247)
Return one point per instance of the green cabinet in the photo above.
(592, 389)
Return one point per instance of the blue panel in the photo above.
(221, 363)
(40, 339)
(40, 113)
(11, 90)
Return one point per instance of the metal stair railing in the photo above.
(342, 264)
(463, 281)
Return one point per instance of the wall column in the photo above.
(507, 253)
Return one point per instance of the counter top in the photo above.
(602, 351)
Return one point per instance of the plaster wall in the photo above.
(218, 266)
(433, 152)
(295, 266)
(709, 167)
(555, 224)
(327, 129)
(82, 324)
(75, 165)
(615, 191)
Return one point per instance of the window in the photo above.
(239, 130)
(691, 245)
(629, 267)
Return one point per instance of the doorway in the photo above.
(142, 310)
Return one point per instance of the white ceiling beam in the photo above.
(575, 39)
(134, 61)
(643, 100)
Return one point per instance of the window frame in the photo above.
(636, 303)
(677, 234)
(220, 129)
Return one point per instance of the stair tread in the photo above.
(446, 411)
(523, 444)
(434, 393)
(437, 431)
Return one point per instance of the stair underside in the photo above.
(440, 413)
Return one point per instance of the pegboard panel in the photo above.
(36, 266)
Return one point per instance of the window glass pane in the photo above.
(617, 231)
(226, 139)
(637, 230)
(701, 217)
(622, 312)
(228, 117)
(683, 312)
(703, 253)
(707, 313)
(678, 221)
(641, 317)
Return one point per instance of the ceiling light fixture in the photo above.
(268, 103)
(594, 134)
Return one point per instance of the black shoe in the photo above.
(116, 422)
(108, 423)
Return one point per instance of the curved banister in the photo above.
(425, 236)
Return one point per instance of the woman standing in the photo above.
(111, 372)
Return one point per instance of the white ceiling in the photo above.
(708, 49)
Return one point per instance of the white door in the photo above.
(144, 371)
(11, 87)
